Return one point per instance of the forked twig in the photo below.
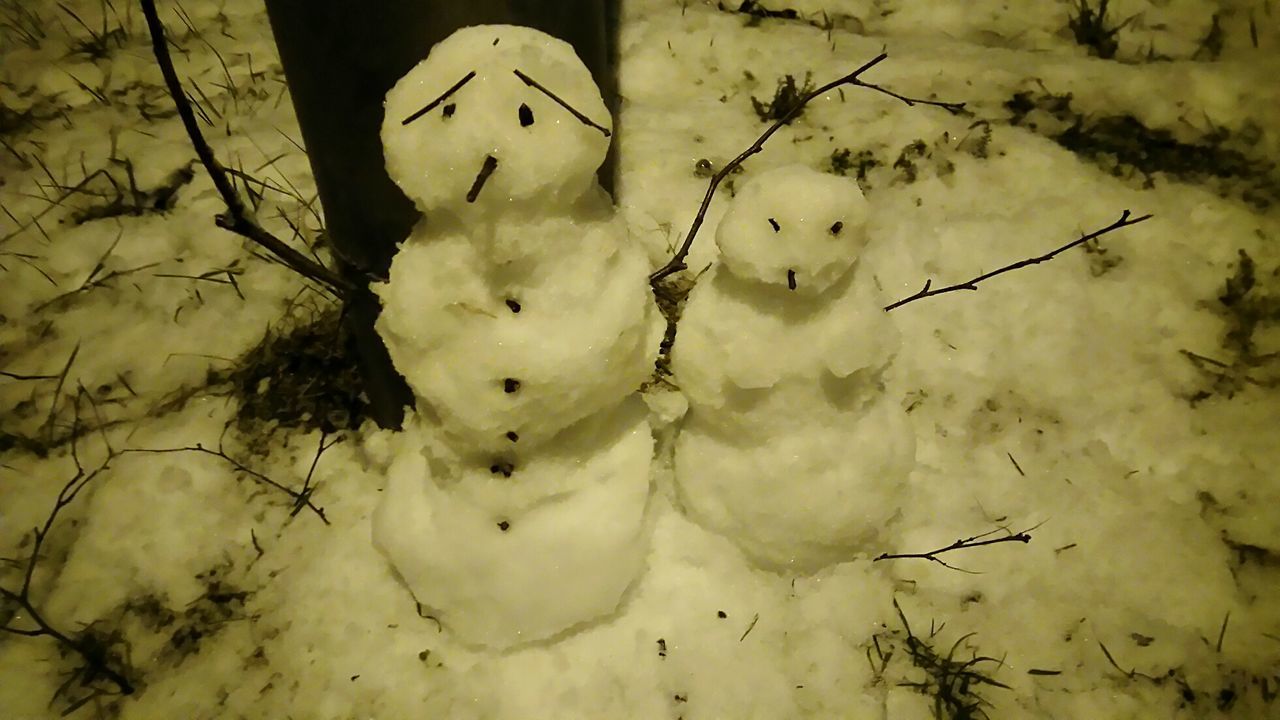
(972, 284)
(97, 663)
(676, 263)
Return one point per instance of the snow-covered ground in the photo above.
(1119, 402)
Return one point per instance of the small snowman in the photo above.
(519, 312)
(792, 447)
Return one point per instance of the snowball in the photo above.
(498, 569)
(739, 334)
(488, 140)
(801, 499)
(794, 226)
(529, 346)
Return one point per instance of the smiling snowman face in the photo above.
(497, 117)
(794, 226)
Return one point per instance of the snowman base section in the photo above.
(815, 495)
(558, 548)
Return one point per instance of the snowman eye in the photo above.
(791, 279)
(774, 224)
(837, 227)
(447, 110)
(526, 115)
(444, 96)
(581, 118)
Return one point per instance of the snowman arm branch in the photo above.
(965, 544)
(676, 263)
(237, 218)
(972, 284)
(952, 107)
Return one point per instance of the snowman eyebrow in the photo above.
(431, 105)
(582, 118)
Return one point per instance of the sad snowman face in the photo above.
(794, 226)
(497, 117)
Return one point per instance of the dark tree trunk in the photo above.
(340, 57)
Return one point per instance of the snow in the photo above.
(1055, 397)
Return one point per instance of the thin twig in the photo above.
(965, 544)
(236, 219)
(304, 495)
(431, 105)
(96, 664)
(676, 263)
(57, 391)
(972, 284)
(298, 497)
(19, 376)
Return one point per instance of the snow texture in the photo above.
(793, 447)
(458, 325)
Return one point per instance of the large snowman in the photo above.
(519, 313)
(792, 447)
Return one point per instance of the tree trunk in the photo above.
(340, 58)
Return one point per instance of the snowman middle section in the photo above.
(522, 513)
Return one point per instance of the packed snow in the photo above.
(708, 548)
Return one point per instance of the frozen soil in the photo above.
(1119, 402)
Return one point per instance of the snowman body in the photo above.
(792, 447)
(519, 313)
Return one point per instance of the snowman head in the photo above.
(496, 117)
(794, 226)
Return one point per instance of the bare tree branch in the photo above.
(676, 263)
(97, 662)
(972, 284)
(237, 218)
